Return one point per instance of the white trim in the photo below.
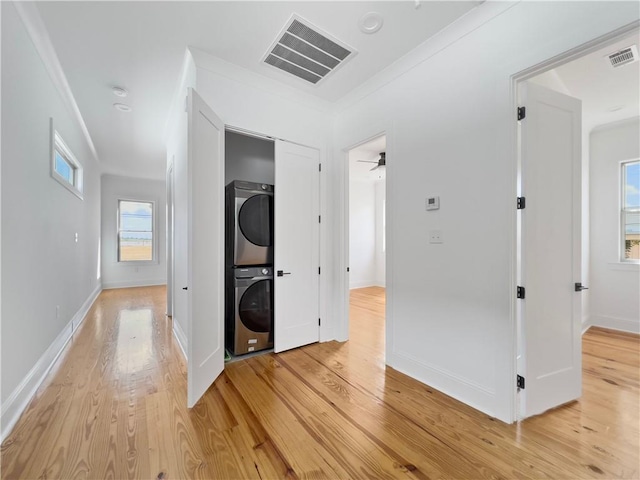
(341, 256)
(19, 399)
(181, 338)
(57, 144)
(36, 29)
(134, 283)
(586, 325)
(614, 323)
(155, 258)
(622, 181)
(449, 383)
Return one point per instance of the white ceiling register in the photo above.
(306, 52)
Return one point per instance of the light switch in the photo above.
(435, 236)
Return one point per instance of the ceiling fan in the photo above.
(381, 162)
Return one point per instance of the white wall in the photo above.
(43, 267)
(614, 286)
(380, 199)
(362, 234)
(450, 126)
(119, 275)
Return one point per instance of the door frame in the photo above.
(342, 296)
(169, 238)
(515, 149)
(327, 327)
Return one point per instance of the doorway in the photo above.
(367, 234)
(599, 81)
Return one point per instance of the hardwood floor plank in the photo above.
(268, 461)
(308, 460)
(114, 407)
(343, 440)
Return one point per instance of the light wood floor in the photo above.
(115, 407)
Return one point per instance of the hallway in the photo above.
(114, 406)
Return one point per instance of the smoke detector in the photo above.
(624, 56)
(306, 52)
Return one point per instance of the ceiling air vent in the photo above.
(624, 56)
(306, 52)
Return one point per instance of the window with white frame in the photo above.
(135, 231)
(630, 211)
(65, 168)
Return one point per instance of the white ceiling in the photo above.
(370, 152)
(140, 46)
(608, 94)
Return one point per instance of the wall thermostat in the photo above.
(432, 203)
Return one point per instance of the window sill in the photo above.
(139, 263)
(624, 266)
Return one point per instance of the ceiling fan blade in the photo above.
(367, 161)
(374, 168)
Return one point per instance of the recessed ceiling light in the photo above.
(122, 107)
(119, 92)
(370, 22)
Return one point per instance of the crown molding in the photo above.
(36, 29)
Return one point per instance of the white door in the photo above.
(551, 249)
(297, 246)
(205, 247)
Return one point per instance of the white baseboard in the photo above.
(133, 283)
(181, 337)
(463, 389)
(622, 324)
(586, 325)
(19, 399)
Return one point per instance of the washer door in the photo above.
(254, 219)
(255, 307)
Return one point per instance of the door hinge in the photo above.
(520, 382)
(522, 113)
(319, 218)
(520, 292)
(319, 322)
(348, 269)
(521, 203)
(319, 167)
(318, 270)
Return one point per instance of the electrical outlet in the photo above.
(435, 236)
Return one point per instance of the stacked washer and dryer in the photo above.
(249, 267)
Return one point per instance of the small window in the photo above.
(65, 168)
(135, 231)
(630, 212)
